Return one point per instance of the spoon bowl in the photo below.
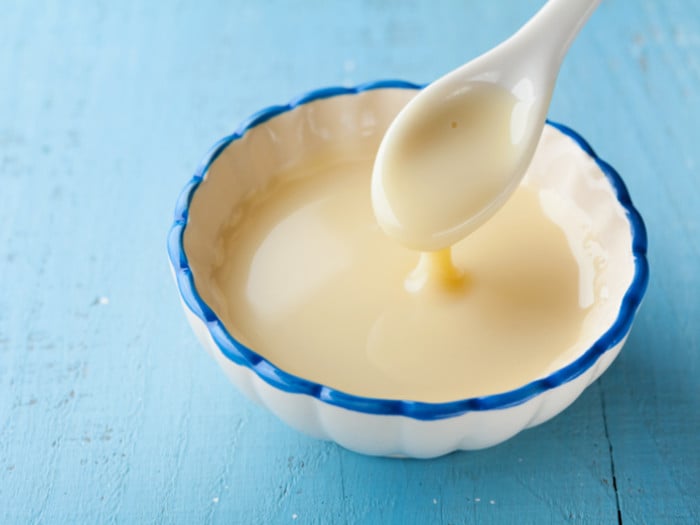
(456, 152)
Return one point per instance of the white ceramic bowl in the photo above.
(349, 122)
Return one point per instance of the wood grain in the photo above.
(109, 410)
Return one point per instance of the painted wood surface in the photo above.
(109, 410)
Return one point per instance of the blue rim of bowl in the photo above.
(268, 372)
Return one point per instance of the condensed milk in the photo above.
(310, 282)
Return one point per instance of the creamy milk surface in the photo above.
(309, 281)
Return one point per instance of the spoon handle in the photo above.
(554, 27)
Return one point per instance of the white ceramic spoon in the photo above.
(456, 152)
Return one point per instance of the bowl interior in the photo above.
(574, 192)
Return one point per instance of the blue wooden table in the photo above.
(109, 410)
